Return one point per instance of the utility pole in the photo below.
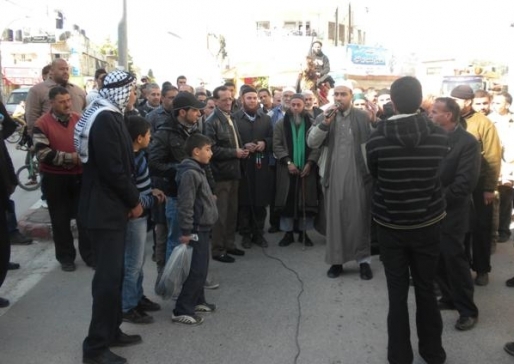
(349, 22)
(122, 40)
(336, 36)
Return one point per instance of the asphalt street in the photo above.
(342, 321)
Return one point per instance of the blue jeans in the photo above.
(135, 240)
(173, 227)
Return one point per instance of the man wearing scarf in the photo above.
(109, 197)
(256, 133)
(296, 193)
(58, 160)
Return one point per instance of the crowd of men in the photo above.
(428, 184)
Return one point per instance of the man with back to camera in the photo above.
(404, 154)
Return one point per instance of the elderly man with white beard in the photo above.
(296, 195)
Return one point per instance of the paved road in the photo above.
(342, 321)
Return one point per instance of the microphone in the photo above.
(333, 111)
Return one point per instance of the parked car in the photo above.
(16, 96)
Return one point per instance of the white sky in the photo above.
(473, 28)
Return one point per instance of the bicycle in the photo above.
(16, 136)
(29, 172)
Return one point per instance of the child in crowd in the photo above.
(134, 303)
(197, 213)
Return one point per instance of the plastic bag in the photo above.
(175, 272)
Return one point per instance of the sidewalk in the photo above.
(342, 321)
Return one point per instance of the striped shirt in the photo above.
(143, 182)
(404, 155)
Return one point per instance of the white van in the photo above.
(16, 96)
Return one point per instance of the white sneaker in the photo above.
(187, 320)
(205, 307)
(211, 284)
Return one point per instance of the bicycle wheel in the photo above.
(15, 137)
(28, 179)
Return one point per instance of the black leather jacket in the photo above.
(165, 152)
(224, 163)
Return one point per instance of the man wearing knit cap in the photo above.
(256, 134)
(483, 195)
(296, 196)
(342, 133)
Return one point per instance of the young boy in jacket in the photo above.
(197, 213)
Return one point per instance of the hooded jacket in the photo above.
(197, 209)
(404, 155)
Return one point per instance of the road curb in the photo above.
(35, 223)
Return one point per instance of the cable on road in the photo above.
(298, 301)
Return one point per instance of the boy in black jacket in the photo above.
(197, 213)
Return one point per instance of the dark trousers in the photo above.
(224, 230)
(453, 273)
(481, 233)
(12, 221)
(62, 193)
(416, 251)
(106, 318)
(192, 293)
(5, 248)
(505, 215)
(251, 220)
(274, 216)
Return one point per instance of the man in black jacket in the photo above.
(459, 176)
(108, 198)
(227, 151)
(166, 151)
(8, 183)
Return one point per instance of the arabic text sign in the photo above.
(366, 55)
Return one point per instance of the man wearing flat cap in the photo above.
(483, 196)
(166, 151)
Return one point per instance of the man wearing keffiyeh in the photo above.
(53, 141)
(109, 197)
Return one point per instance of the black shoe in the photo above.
(466, 323)
(107, 357)
(236, 251)
(308, 241)
(224, 258)
(510, 282)
(365, 271)
(126, 340)
(247, 242)
(259, 240)
(482, 279)
(509, 348)
(287, 240)
(146, 305)
(136, 316)
(273, 229)
(445, 305)
(17, 238)
(68, 267)
(13, 266)
(4, 302)
(503, 238)
(335, 271)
